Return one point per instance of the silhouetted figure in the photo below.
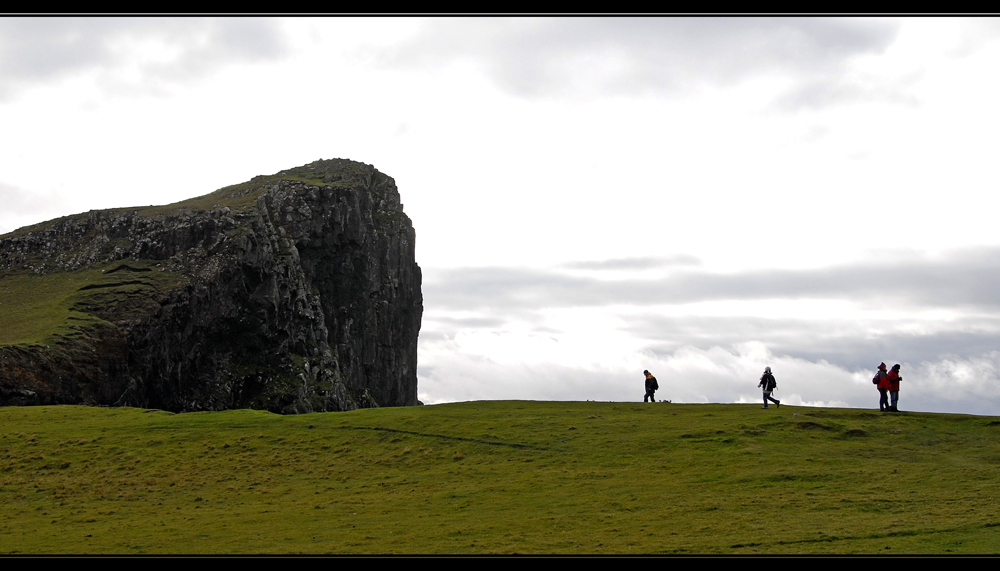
(651, 386)
(881, 382)
(768, 383)
(894, 378)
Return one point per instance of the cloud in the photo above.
(847, 343)
(467, 322)
(35, 51)
(833, 88)
(967, 278)
(643, 263)
(22, 208)
(973, 34)
(17, 201)
(956, 384)
(556, 57)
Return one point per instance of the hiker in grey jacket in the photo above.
(768, 383)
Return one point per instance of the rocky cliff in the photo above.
(294, 292)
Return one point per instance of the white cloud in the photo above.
(21, 207)
(129, 53)
(573, 57)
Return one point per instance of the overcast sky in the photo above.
(700, 197)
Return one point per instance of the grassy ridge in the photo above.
(35, 309)
(499, 477)
(237, 196)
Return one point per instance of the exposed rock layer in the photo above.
(296, 292)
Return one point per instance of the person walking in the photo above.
(894, 378)
(768, 383)
(651, 386)
(881, 382)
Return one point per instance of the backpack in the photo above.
(769, 382)
(879, 376)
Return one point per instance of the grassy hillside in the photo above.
(37, 309)
(500, 477)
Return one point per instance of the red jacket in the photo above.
(893, 378)
(881, 379)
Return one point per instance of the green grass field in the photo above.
(499, 477)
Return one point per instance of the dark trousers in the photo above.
(883, 400)
(649, 395)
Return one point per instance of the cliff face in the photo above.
(295, 292)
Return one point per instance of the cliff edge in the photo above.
(295, 292)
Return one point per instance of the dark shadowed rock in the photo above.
(295, 292)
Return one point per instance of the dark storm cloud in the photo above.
(555, 56)
(969, 278)
(37, 50)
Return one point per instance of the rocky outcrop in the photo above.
(295, 292)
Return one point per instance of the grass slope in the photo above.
(499, 477)
(37, 309)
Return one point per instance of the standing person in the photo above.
(651, 386)
(881, 382)
(768, 383)
(894, 378)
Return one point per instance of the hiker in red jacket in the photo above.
(894, 379)
(881, 382)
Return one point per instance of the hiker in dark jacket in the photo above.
(894, 378)
(881, 382)
(651, 387)
(768, 383)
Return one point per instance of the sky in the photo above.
(592, 197)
